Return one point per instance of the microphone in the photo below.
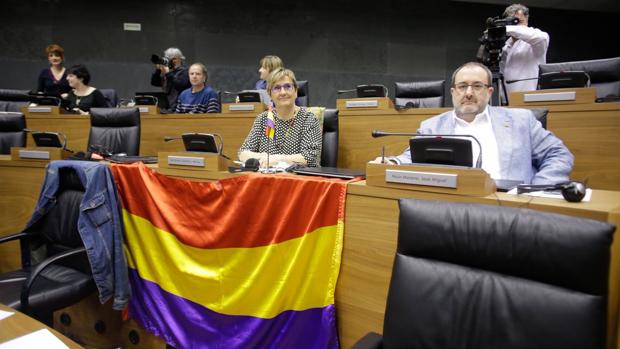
(408, 105)
(346, 91)
(517, 80)
(377, 133)
(170, 138)
(251, 165)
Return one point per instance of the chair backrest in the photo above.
(421, 94)
(303, 99)
(12, 131)
(116, 129)
(59, 227)
(13, 100)
(329, 151)
(541, 115)
(604, 73)
(480, 276)
(111, 97)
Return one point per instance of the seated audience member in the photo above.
(267, 65)
(52, 81)
(515, 145)
(289, 133)
(82, 97)
(199, 98)
(173, 80)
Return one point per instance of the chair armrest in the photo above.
(371, 340)
(25, 294)
(16, 236)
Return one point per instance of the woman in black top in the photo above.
(83, 97)
(53, 80)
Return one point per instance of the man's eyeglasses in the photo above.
(476, 86)
(286, 87)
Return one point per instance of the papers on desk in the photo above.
(37, 339)
(5, 314)
(555, 194)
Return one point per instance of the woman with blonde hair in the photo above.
(288, 133)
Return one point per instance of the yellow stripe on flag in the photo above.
(297, 274)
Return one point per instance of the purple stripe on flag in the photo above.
(186, 324)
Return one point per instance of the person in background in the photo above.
(52, 81)
(173, 80)
(199, 98)
(266, 66)
(82, 97)
(515, 145)
(524, 50)
(297, 137)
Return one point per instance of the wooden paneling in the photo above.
(20, 183)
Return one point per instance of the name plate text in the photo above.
(373, 103)
(445, 180)
(186, 161)
(550, 97)
(40, 109)
(34, 154)
(241, 107)
(143, 109)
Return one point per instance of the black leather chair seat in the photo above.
(57, 285)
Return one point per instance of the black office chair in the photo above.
(541, 115)
(55, 271)
(111, 97)
(604, 73)
(329, 150)
(13, 100)
(12, 131)
(115, 129)
(479, 276)
(420, 94)
(303, 98)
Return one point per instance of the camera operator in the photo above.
(173, 76)
(524, 50)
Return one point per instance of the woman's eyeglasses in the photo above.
(476, 86)
(286, 87)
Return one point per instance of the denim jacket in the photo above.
(100, 225)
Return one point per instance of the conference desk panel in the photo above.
(371, 230)
(232, 127)
(371, 225)
(588, 130)
(20, 183)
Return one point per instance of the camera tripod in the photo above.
(500, 98)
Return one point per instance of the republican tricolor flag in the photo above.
(270, 125)
(246, 262)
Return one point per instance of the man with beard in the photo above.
(515, 145)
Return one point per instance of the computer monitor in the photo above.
(364, 91)
(441, 150)
(160, 98)
(47, 139)
(249, 96)
(202, 142)
(563, 79)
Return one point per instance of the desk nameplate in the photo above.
(39, 153)
(368, 103)
(244, 107)
(241, 107)
(40, 109)
(34, 154)
(192, 161)
(445, 180)
(550, 97)
(373, 103)
(186, 161)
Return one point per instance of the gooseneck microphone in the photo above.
(377, 133)
(517, 80)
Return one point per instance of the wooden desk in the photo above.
(232, 127)
(371, 225)
(20, 324)
(590, 131)
(371, 228)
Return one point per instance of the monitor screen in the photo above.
(162, 98)
(202, 142)
(441, 150)
(564, 79)
(47, 139)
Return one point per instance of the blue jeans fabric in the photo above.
(100, 225)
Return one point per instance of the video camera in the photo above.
(493, 40)
(155, 59)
